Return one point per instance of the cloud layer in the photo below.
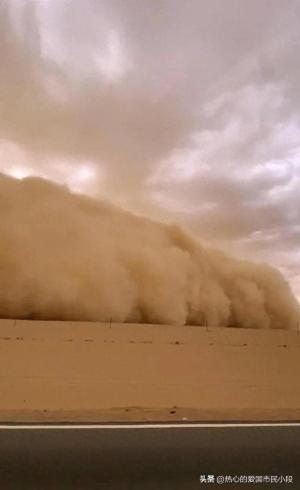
(185, 111)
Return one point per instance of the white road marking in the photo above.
(142, 426)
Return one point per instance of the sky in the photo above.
(185, 111)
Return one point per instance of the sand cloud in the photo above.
(66, 256)
(185, 111)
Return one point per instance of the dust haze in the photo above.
(66, 256)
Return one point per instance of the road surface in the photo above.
(145, 457)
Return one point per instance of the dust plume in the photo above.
(65, 256)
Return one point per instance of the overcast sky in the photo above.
(185, 110)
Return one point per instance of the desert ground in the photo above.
(98, 372)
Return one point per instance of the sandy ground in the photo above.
(66, 371)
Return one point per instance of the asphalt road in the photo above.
(149, 458)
